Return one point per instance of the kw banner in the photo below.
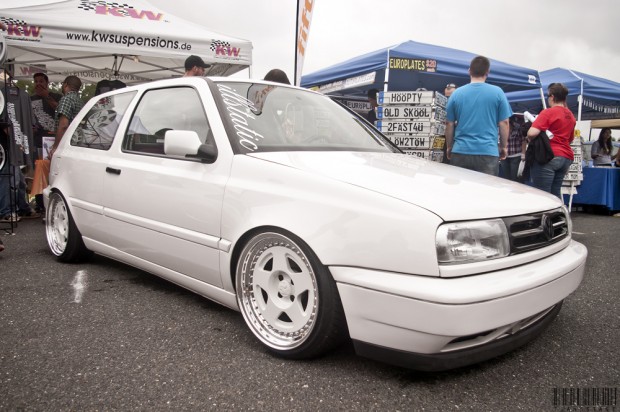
(304, 17)
(132, 38)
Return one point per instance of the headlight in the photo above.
(466, 242)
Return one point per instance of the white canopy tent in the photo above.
(131, 41)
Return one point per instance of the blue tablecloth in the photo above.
(600, 186)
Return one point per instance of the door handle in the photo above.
(113, 171)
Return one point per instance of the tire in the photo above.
(288, 298)
(63, 237)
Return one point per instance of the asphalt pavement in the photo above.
(105, 336)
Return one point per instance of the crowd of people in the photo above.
(484, 135)
(478, 113)
(51, 115)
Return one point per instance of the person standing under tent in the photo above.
(602, 149)
(195, 66)
(278, 76)
(559, 121)
(44, 104)
(68, 107)
(449, 89)
(474, 114)
(516, 150)
(372, 99)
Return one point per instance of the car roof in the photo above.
(194, 80)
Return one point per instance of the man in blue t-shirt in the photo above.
(478, 110)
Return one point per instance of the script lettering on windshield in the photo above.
(240, 111)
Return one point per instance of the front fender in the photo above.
(345, 225)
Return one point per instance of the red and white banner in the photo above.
(305, 8)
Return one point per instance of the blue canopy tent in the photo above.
(412, 65)
(588, 96)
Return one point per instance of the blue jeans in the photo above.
(479, 163)
(509, 168)
(548, 177)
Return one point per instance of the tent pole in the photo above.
(580, 97)
(579, 101)
(118, 69)
(387, 73)
(296, 41)
(114, 67)
(542, 97)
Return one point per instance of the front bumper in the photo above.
(459, 358)
(456, 321)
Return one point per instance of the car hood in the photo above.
(451, 192)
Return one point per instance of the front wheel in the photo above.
(287, 297)
(63, 237)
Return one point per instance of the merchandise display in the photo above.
(575, 172)
(415, 121)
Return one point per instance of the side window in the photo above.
(96, 130)
(160, 110)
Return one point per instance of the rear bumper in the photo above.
(436, 323)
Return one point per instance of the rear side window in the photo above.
(160, 110)
(96, 130)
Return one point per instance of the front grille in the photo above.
(535, 231)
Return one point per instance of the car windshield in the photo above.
(264, 117)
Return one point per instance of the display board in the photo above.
(574, 176)
(415, 121)
(358, 105)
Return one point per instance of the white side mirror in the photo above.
(181, 142)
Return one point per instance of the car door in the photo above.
(86, 157)
(163, 209)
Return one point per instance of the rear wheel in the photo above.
(63, 237)
(287, 297)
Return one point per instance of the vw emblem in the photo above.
(547, 226)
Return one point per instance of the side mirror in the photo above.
(186, 143)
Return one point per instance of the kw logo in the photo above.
(23, 30)
(129, 12)
(227, 51)
(223, 48)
